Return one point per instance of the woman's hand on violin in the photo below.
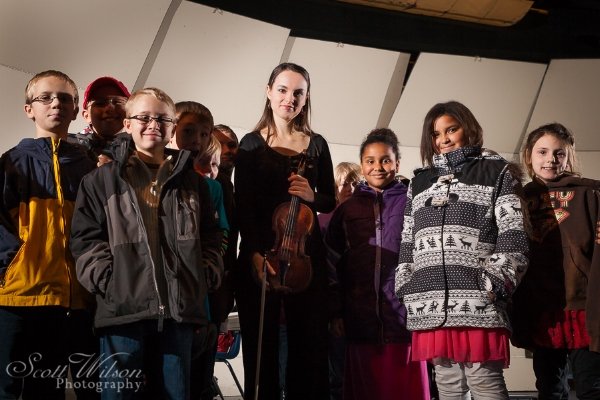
(299, 187)
(257, 261)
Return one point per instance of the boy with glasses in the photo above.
(146, 243)
(104, 110)
(43, 316)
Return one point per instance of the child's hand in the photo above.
(299, 187)
(102, 159)
(257, 261)
(336, 327)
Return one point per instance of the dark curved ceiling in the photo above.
(552, 29)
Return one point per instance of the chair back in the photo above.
(233, 350)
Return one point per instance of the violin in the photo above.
(292, 223)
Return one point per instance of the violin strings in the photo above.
(291, 218)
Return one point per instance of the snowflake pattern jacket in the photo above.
(464, 246)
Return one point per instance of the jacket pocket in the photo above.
(576, 279)
(8, 272)
(188, 291)
(186, 215)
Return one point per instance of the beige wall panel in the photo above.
(589, 161)
(499, 93)
(219, 59)
(85, 39)
(571, 95)
(348, 86)
(16, 125)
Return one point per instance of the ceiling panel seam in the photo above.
(156, 45)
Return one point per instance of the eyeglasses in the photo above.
(104, 102)
(46, 99)
(146, 119)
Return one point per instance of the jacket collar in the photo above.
(393, 187)
(41, 149)
(123, 148)
(567, 180)
(456, 159)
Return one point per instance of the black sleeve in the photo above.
(325, 190)
(245, 196)
(9, 237)
(89, 237)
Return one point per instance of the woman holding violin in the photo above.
(284, 175)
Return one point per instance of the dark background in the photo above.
(560, 29)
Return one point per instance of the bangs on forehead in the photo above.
(29, 89)
(152, 92)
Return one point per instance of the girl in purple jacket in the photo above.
(364, 238)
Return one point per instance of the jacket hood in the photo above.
(567, 180)
(123, 147)
(454, 160)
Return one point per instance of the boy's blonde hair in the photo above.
(159, 94)
(46, 74)
(560, 132)
(193, 107)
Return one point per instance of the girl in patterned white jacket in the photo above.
(463, 252)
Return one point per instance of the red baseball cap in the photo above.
(101, 82)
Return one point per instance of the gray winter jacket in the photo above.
(110, 245)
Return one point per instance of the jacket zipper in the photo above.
(446, 290)
(61, 201)
(377, 273)
(161, 306)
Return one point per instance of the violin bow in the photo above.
(263, 291)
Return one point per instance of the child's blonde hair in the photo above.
(213, 148)
(347, 171)
(159, 94)
(560, 132)
(46, 74)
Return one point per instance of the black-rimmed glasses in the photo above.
(46, 99)
(146, 119)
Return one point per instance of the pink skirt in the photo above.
(384, 372)
(462, 344)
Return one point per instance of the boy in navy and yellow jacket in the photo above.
(42, 305)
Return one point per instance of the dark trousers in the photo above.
(37, 347)
(550, 367)
(204, 349)
(83, 347)
(306, 318)
(337, 353)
